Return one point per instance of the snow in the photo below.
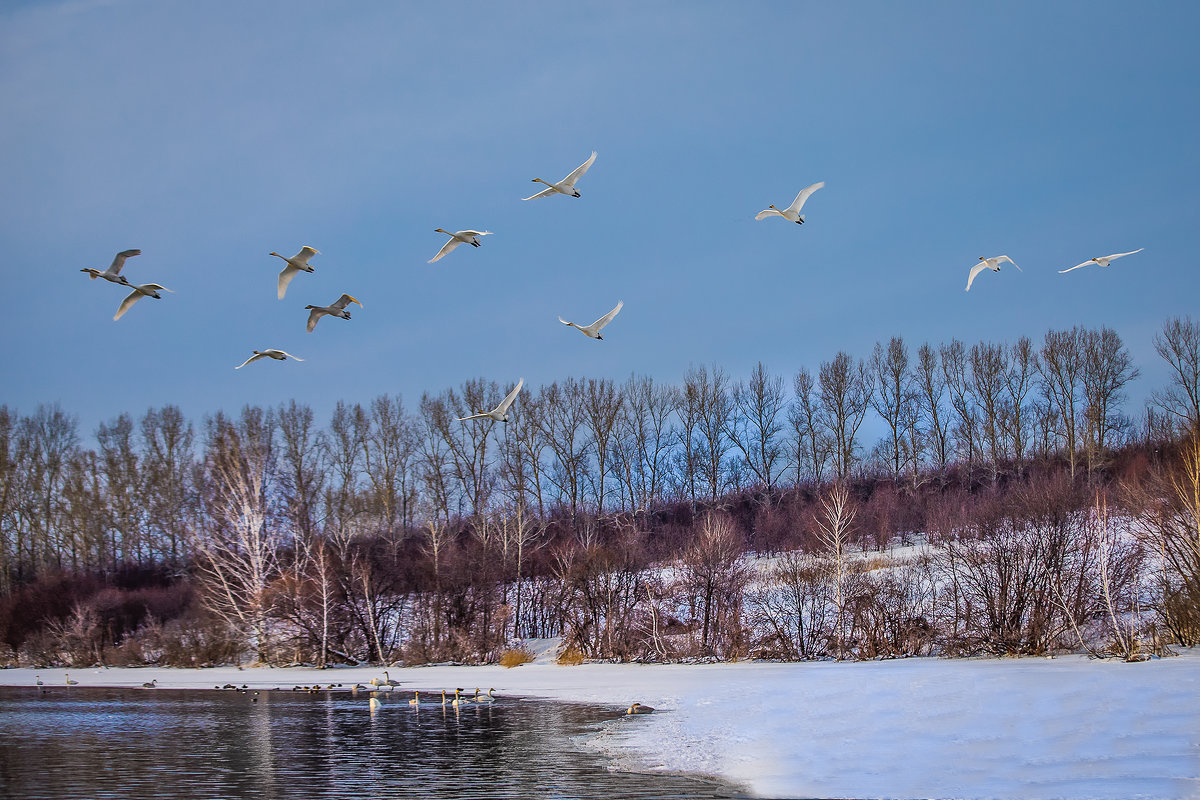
(1068, 727)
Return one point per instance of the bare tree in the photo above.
(301, 474)
(834, 520)
(1018, 382)
(1107, 367)
(1061, 367)
(644, 439)
(893, 397)
(1179, 345)
(602, 406)
(958, 384)
(389, 450)
(562, 421)
(168, 490)
(844, 396)
(706, 399)
(756, 424)
(808, 436)
(931, 387)
(989, 366)
(714, 579)
(238, 552)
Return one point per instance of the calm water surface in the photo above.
(127, 743)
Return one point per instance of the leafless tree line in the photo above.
(371, 517)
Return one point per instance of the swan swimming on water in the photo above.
(792, 212)
(113, 273)
(593, 330)
(989, 263)
(67, 677)
(145, 290)
(459, 701)
(295, 264)
(335, 309)
(457, 238)
(566, 185)
(500, 412)
(1103, 261)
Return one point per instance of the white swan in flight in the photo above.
(792, 212)
(278, 355)
(566, 185)
(113, 273)
(145, 290)
(457, 238)
(297, 263)
(500, 412)
(1103, 261)
(337, 309)
(989, 263)
(593, 330)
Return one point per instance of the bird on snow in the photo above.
(792, 212)
(337, 309)
(278, 355)
(593, 330)
(1103, 261)
(500, 412)
(297, 263)
(990, 263)
(145, 290)
(638, 708)
(457, 238)
(113, 273)
(566, 185)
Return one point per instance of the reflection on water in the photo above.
(110, 743)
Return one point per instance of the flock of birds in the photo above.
(298, 263)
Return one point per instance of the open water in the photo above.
(67, 742)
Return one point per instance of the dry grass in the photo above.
(515, 657)
(571, 657)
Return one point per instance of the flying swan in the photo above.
(296, 263)
(461, 237)
(500, 412)
(337, 309)
(792, 212)
(145, 290)
(1103, 261)
(278, 355)
(566, 185)
(990, 263)
(113, 273)
(593, 330)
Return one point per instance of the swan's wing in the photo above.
(543, 193)
(607, 318)
(1009, 260)
(564, 322)
(285, 277)
(473, 416)
(580, 170)
(346, 300)
(313, 316)
(508, 401)
(156, 287)
(446, 248)
(768, 212)
(801, 198)
(305, 254)
(975, 270)
(476, 233)
(1077, 266)
(254, 357)
(289, 355)
(1122, 255)
(127, 303)
(119, 260)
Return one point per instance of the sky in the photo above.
(209, 135)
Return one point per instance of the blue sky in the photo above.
(211, 134)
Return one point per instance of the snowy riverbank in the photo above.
(1015, 728)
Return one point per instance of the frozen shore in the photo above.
(1013, 728)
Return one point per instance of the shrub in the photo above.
(515, 657)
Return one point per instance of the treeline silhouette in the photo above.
(715, 518)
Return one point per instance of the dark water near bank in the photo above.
(124, 743)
